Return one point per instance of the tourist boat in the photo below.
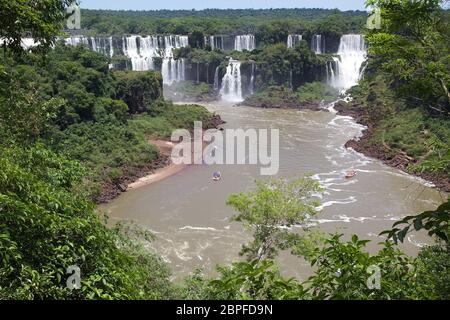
(217, 176)
(350, 174)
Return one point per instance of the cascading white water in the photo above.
(231, 89)
(215, 42)
(332, 70)
(244, 42)
(216, 79)
(99, 44)
(251, 86)
(318, 44)
(94, 44)
(76, 40)
(173, 70)
(141, 55)
(142, 51)
(293, 40)
(345, 72)
(26, 43)
(111, 47)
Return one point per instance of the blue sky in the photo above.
(222, 4)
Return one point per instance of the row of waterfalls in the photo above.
(343, 71)
(142, 52)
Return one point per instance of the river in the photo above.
(188, 214)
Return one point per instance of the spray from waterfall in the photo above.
(231, 89)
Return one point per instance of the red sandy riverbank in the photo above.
(155, 171)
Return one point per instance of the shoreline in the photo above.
(158, 170)
(397, 160)
(314, 106)
(165, 148)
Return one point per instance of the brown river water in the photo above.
(188, 214)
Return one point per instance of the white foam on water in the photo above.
(199, 229)
(348, 200)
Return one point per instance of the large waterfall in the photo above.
(245, 42)
(293, 40)
(344, 72)
(318, 44)
(231, 89)
(141, 51)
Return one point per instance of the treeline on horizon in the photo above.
(221, 21)
(309, 13)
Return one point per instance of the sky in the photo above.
(220, 4)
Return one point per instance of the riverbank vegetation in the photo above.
(403, 98)
(311, 95)
(69, 125)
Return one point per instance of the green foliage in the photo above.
(276, 64)
(265, 23)
(138, 89)
(413, 48)
(309, 94)
(271, 211)
(170, 117)
(436, 223)
(190, 91)
(254, 280)
(43, 19)
(104, 148)
(432, 274)
(45, 228)
(273, 97)
(399, 127)
(314, 92)
(343, 270)
(411, 130)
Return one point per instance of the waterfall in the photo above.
(28, 43)
(142, 51)
(251, 86)
(173, 70)
(231, 83)
(318, 44)
(293, 40)
(94, 44)
(216, 79)
(345, 72)
(244, 42)
(212, 42)
(332, 71)
(137, 49)
(111, 47)
(215, 42)
(76, 40)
